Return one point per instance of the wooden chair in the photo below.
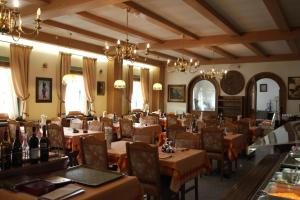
(56, 120)
(28, 126)
(57, 143)
(243, 128)
(188, 140)
(146, 138)
(126, 129)
(94, 152)
(13, 125)
(171, 120)
(143, 162)
(174, 130)
(211, 123)
(149, 120)
(95, 126)
(213, 143)
(106, 122)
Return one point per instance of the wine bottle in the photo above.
(17, 160)
(5, 152)
(44, 145)
(33, 147)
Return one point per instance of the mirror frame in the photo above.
(191, 86)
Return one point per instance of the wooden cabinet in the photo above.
(231, 106)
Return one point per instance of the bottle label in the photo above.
(43, 145)
(34, 153)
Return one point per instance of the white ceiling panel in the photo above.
(237, 50)
(245, 15)
(205, 52)
(275, 47)
(183, 15)
(291, 10)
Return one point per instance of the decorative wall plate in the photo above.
(233, 82)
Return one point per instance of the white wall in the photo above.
(282, 69)
(265, 98)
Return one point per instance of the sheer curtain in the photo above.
(8, 98)
(75, 99)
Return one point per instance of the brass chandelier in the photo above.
(124, 50)
(11, 21)
(183, 65)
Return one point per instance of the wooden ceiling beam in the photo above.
(192, 54)
(116, 26)
(93, 35)
(253, 59)
(250, 37)
(121, 28)
(80, 31)
(280, 20)
(160, 20)
(77, 44)
(208, 12)
(60, 8)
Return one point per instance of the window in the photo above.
(137, 101)
(8, 98)
(204, 96)
(75, 99)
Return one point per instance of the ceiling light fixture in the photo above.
(123, 50)
(11, 20)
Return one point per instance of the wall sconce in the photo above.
(119, 84)
(157, 86)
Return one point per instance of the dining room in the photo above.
(156, 99)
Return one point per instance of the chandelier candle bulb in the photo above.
(38, 13)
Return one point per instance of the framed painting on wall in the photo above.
(43, 90)
(100, 88)
(263, 88)
(176, 93)
(294, 88)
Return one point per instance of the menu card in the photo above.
(63, 193)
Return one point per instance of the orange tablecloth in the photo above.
(182, 166)
(126, 188)
(234, 144)
(73, 139)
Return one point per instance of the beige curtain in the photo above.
(19, 63)
(145, 85)
(155, 94)
(114, 96)
(161, 93)
(89, 78)
(64, 68)
(129, 86)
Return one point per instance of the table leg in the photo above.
(182, 192)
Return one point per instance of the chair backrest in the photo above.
(94, 152)
(65, 122)
(231, 127)
(76, 123)
(74, 113)
(4, 116)
(149, 120)
(95, 126)
(56, 137)
(213, 140)
(211, 122)
(106, 122)
(171, 120)
(172, 131)
(143, 162)
(243, 128)
(12, 127)
(126, 128)
(28, 127)
(188, 140)
(56, 120)
(144, 137)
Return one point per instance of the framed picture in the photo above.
(294, 88)
(263, 88)
(176, 93)
(43, 88)
(100, 87)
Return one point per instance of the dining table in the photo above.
(182, 165)
(234, 144)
